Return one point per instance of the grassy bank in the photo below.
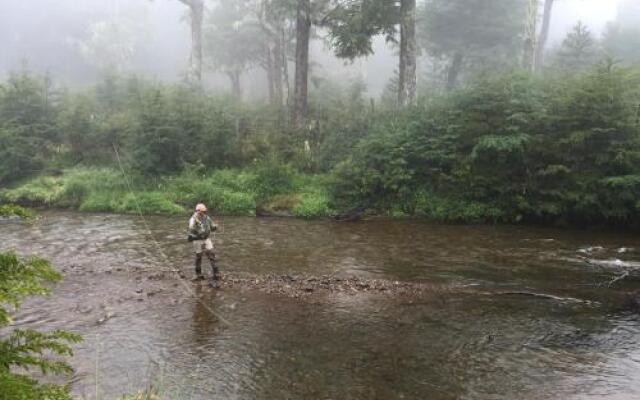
(12, 210)
(280, 191)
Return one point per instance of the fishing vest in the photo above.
(202, 226)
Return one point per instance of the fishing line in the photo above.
(166, 259)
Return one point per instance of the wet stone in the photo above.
(289, 286)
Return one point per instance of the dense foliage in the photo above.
(563, 148)
(12, 210)
(510, 148)
(20, 349)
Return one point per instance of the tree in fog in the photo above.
(276, 19)
(479, 34)
(622, 36)
(233, 40)
(408, 53)
(111, 43)
(353, 24)
(544, 34)
(530, 39)
(196, 16)
(301, 80)
(578, 50)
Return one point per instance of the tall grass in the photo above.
(225, 191)
(12, 210)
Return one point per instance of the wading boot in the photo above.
(199, 276)
(215, 280)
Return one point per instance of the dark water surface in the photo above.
(143, 325)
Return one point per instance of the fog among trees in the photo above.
(76, 42)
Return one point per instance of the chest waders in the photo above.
(204, 229)
(211, 255)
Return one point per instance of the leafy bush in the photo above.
(130, 203)
(22, 349)
(272, 177)
(147, 203)
(43, 190)
(27, 126)
(225, 192)
(236, 203)
(511, 148)
(313, 205)
(78, 183)
(454, 210)
(17, 211)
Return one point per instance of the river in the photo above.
(143, 325)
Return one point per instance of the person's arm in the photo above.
(193, 226)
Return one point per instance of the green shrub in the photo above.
(147, 203)
(313, 205)
(236, 203)
(455, 210)
(271, 178)
(43, 190)
(23, 349)
(9, 210)
(100, 201)
(225, 192)
(130, 203)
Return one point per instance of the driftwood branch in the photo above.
(618, 278)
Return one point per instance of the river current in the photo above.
(556, 329)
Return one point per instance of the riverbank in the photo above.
(275, 190)
(510, 148)
(281, 192)
(268, 190)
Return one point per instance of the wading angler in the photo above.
(201, 227)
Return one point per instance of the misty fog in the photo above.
(75, 40)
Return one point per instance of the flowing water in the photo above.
(143, 325)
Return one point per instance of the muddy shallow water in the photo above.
(470, 334)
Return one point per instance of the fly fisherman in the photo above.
(200, 228)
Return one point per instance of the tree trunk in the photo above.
(454, 71)
(277, 70)
(285, 68)
(236, 90)
(544, 34)
(270, 72)
(197, 15)
(303, 28)
(529, 48)
(407, 63)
